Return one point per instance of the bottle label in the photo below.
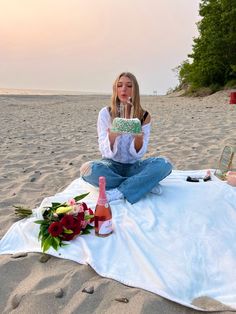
(105, 227)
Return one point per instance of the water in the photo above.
(15, 91)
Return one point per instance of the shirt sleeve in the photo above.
(146, 133)
(103, 124)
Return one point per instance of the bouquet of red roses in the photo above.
(64, 221)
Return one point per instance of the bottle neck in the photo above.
(102, 199)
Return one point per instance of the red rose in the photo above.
(55, 229)
(77, 226)
(67, 221)
(80, 216)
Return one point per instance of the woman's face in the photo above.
(124, 88)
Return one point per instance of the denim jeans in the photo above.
(133, 180)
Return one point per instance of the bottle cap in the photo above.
(102, 179)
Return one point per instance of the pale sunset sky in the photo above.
(82, 45)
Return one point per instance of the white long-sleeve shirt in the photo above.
(123, 149)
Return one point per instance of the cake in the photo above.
(122, 125)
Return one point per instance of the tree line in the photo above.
(212, 63)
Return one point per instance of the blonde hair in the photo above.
(137, 108)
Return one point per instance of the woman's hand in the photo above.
(112, 137)
(138, 142)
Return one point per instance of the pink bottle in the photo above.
(103, 214)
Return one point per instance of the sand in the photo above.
(44, 141)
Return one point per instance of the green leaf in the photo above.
(43, 234)
(40, 234)
(85, 231)
(44, 228)
(43, 222)
(39, 222)
(46, 244)
(87, 217)
(89, 227)
(67, 231)
(44, 237)
(63, 244)
(80, 197)
(58, 240)
(56, 204)
(55, 243)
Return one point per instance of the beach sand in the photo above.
(44, 141)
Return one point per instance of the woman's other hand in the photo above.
(138, 142)
(128, 108)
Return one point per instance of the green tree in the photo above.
(214, 51)
(229, 30)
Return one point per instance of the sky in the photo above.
(83, 45)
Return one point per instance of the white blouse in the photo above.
(123, 149)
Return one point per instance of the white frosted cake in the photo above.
(121, 125)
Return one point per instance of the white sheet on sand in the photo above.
(180, 245)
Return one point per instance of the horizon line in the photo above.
(50, 92)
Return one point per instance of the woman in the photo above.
(127, 175)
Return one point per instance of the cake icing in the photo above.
(122, 125)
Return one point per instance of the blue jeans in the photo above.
(133, 180)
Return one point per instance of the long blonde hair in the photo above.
(137, 108)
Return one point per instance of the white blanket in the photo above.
(180, 245)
